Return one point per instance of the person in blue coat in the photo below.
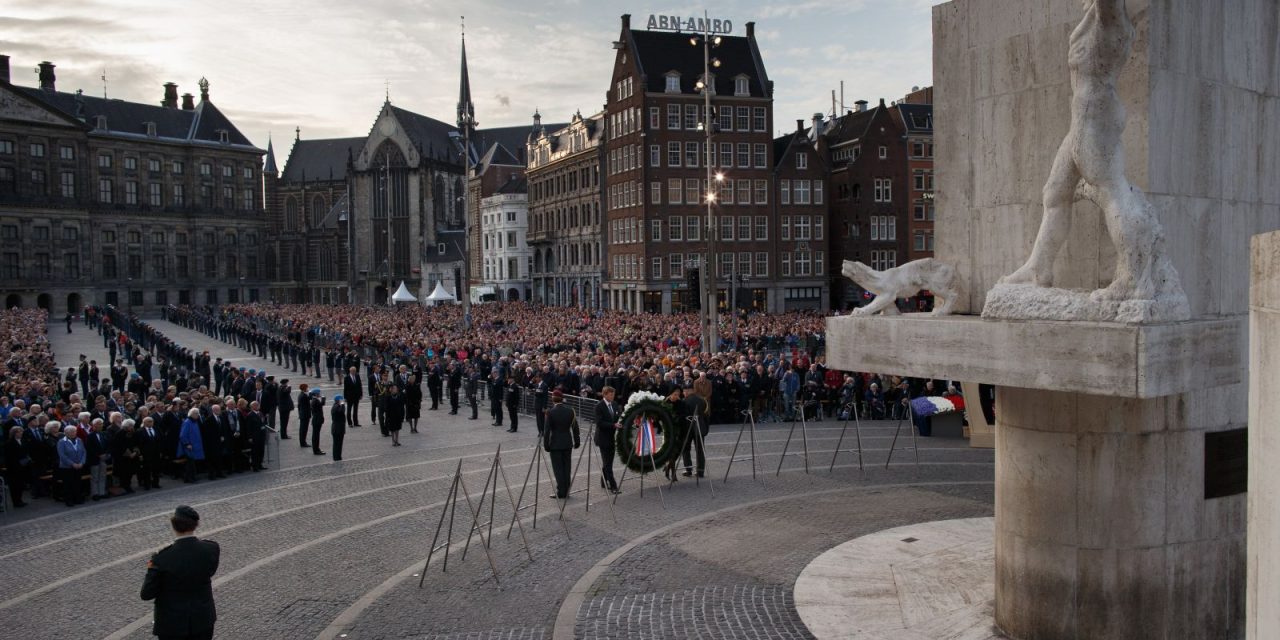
(71, 459)
(190, 446)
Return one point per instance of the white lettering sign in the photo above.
(690, 24)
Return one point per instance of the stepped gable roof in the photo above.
(130, 118)
(660, 52)
(323, 159)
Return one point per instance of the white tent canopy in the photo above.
(402, 294)
(440, 294)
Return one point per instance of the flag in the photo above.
(646, 438)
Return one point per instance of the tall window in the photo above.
(179, 195)
(131, 192)
(655, 267)
(726, 155)
(673, 154)
(744, 227)
(677, 265)
(744, 191)
(801, 191)
(674, 192)
(802, 161)
(744, 119)
(784, 191)
(655, 155)
(741, 86)
(693, 226)
(691, 117)
(762, 191)
(786, 227)
(673, 113)
(760, 155)
(675, 227)
(758, 119)
(691, 154)
(762, 227)
(104, 189)
(655, 192)
(67, 183)
(156, 196)
(762, 264)
(744, 155)
(654, 116)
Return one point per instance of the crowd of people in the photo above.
(151, 414)
(156, 408)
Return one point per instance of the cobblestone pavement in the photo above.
(314, 548)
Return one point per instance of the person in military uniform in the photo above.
(353, 390)
(304, 413)
(454, 373)
(559, 438)
(495, 397)
(317, 420)
(541, 391)
(435, 384)
(180, 581)
(338, 426)
(513, 403)
(473, 387)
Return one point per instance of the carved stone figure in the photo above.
(905, 281)
(1090, 164)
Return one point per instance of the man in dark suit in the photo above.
(304, 414)
(435, 384)
(149, 445)
(495, 397)
(541, 391)
(338, 426)
(284, 404)
(254, 424)
(352, 391)
(454, 373)
(180, 580)
(608, 421)
(270, 398)
(559, 439)
(512, 391)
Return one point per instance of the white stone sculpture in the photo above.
(1090, 164)
(905, 281)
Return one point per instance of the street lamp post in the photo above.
(710, 314)
(386, 205)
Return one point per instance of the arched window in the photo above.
(291, 214)
(318, 211)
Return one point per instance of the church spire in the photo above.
(466, 110)
(271, 160)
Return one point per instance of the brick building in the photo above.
(867, 152)
(124, 203)
(655, 163)
(564, 213)
(916, 114)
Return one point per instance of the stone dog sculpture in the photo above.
(905, 281)
(1090, 164)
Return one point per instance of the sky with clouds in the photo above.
(324, 65)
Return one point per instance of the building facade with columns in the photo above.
(565, 194)
(125, 203)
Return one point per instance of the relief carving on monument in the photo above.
(1090, 164)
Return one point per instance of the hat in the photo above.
(271, 378)
(557, 396)
(183, 511)
(315, 392)
(337, 398)
(284, 381)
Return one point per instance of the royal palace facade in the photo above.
(106, 201)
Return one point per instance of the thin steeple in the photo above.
(466, 110)
(271, 160)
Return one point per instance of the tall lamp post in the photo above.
(710, 320)
(386, 205)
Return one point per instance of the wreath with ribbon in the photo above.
(649, 436)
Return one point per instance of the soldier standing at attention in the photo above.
(180, 580)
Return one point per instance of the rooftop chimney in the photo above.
(799, 124)
(860, 105)
(751, 30)
(4, 68)
(626, 22)
(170, 96)
(46, 76)
(817, 125)
(188, 102)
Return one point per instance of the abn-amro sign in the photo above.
(691, 24)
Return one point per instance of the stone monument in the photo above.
(1105, 524)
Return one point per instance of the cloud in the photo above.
(503, 100)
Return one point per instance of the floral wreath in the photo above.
(649, 437)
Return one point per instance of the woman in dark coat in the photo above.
(393, 410)
(413, 403)
(18, 463)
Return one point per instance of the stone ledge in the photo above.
(1096, 358)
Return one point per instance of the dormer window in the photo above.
(100, 122)
(741, 86)
(151, 129)
(223, 137)
(673, 83)
(440, 248)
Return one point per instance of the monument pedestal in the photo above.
(1103, 527)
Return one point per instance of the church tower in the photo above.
(466, 109)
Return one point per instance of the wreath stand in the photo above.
(749, 423)
(697, 433)
(804, 435)
(857, 432)
(623, 478)
(915, 446)
(587, 450)
(451, 507)
(534, 470)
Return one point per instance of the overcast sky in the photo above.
(323, 65)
